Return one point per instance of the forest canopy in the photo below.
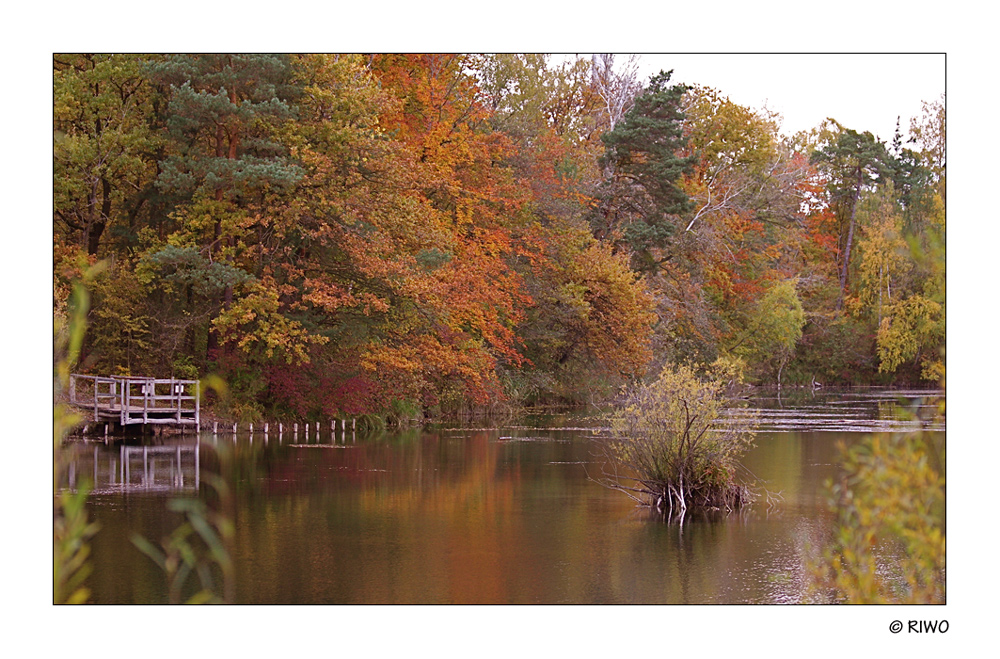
(352, 234)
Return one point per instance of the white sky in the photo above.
(865, 92)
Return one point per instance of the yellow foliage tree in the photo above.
(889, 542)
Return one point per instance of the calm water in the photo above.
(474, 515)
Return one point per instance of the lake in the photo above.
(472, 514)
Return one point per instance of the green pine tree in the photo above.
(640, 198)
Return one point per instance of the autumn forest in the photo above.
(412, 236)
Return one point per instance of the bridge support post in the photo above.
(176, 390)
(147, 390)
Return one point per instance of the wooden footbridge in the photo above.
(137, 400)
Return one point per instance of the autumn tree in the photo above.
(572, 104)
(734, 241)
(772, 329)
(589, 327)
(406, 216)
(327, 252)
(902, 288)
(742, 237)
(103, 154)
(183, 290)
(547, 115)
(855, 162)
(883, 263)
(742, 165)
(513, 91)
(225, 162)
(929, 133)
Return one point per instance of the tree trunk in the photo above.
(879, 296)
(850, 239)
(99, 222)
(222, 136)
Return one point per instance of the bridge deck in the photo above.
(137, 400)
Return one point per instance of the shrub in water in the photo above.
(673, 446)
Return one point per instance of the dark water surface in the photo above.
(466, 515)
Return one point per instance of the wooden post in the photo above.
(234, 431)
(353, 424)
(95, 399)
(145, 403)
(215, 427)
(180, 390)
(197, 404)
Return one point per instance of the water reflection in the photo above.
(112, 469)
(465, 515)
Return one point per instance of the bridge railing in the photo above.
(138, 399)
(95, 392)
